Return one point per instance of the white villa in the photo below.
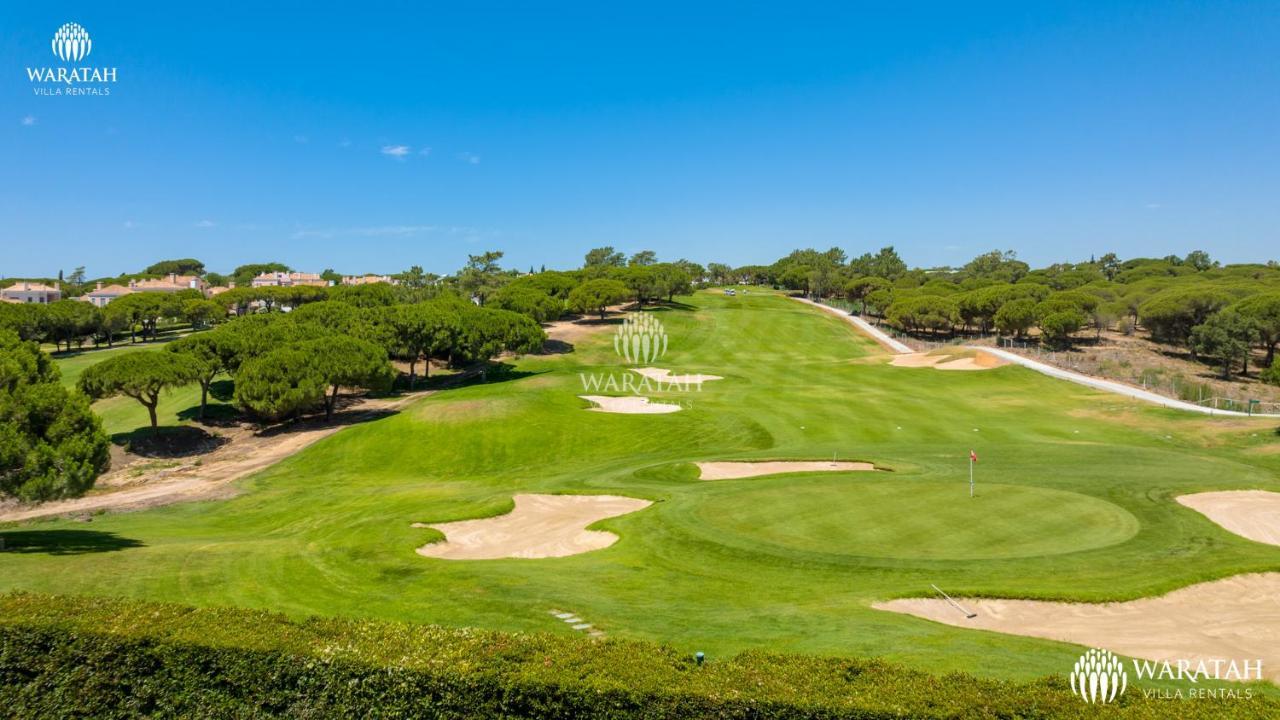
(29, 292)
(290, 279)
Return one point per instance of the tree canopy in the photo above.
(52, 446)
(140, 375)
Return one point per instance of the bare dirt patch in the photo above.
(540, 526)
(1237, 617)
(629, 405)
(1252, 514)
(735, 470)
(663, 375)
(240, 452)
(562, 334)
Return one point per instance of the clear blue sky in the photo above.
(374, 136)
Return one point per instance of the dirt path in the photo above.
(1234, 618)
(571, 331)
(735, 470)
(246, 452)
(540, 526)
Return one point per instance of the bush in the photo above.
(85, 657)
(1271, 375)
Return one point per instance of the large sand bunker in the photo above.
(1234, 618)
(664, 376)
(1254, 514)
(735, 470)
(629, 405)
(965, 360)
(540, 526)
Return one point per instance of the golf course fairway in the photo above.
(1075, 501)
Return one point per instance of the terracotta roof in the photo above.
(110, 290)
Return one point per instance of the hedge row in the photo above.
(83, 657)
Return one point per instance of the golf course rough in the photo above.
(724, 566)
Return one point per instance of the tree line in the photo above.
(1221, 314)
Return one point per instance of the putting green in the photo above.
(906, 519)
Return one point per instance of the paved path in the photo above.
(1111, 385)
(1096, 383)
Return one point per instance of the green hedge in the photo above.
(83, 657)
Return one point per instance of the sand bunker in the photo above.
(629, 405)
(735, 470)
(540, 526)
(1254, 514)
(1234, 618)
(663, 375)
(946, 361)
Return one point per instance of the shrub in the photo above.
(86, 657)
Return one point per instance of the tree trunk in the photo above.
(1271, 354)
(204, 397)
(328, 406)
(412, 375)
(151, 410)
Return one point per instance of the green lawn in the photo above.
(1075, 501)
(123, 415)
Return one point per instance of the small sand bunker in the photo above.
(735, 470)
(1253, 514)
(540, 526)
(664, 376)
(1234, 618)
(629, 405)
(969, 360)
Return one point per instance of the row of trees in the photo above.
(286, 364)
(71, 324)
(1221, 314)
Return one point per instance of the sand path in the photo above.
(1234, 618)
(540, 526)
(1253, 514)
(663, 375)
(735, 470)
(212, 478)
(629, 405)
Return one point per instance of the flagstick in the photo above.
(971, 475)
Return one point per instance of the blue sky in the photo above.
(374, 138)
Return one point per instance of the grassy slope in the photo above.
(327, 531)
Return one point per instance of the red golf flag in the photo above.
(973, 456)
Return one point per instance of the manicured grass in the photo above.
(892, 518)
(1076, 502)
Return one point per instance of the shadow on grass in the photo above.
(64, 542)
(343, 414)
(169, 442)
(556, 347)
(217, 414)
